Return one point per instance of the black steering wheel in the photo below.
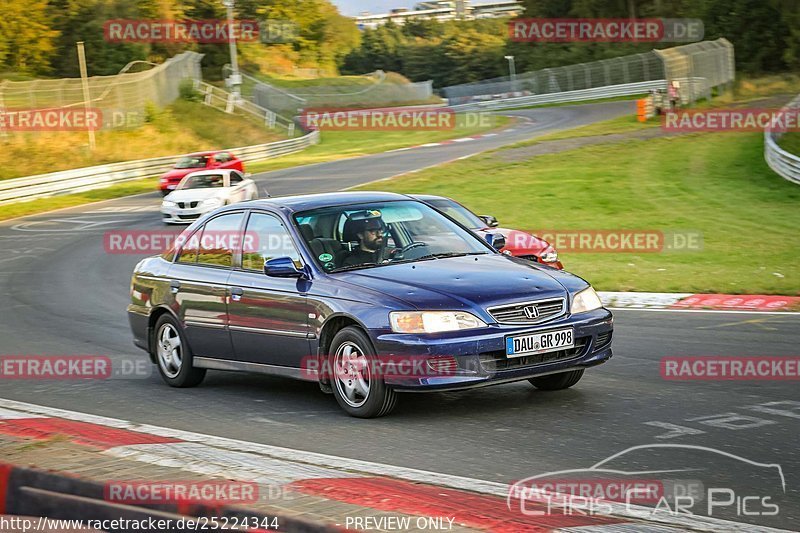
(399, 253)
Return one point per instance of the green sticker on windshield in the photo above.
(325, 258)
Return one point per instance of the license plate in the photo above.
(535, 343)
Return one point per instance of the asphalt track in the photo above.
(63, 294)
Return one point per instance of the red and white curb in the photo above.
(476, 503)
(690, 301)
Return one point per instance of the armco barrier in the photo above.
(35, 493)
(84, 179)
(610, 91)
(785, 164)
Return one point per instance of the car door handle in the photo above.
(174, 286)
(236, 294)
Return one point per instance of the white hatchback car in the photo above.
(203, 191)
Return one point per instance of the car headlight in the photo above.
(167, 203)
(433, 321)
(549, 257)
(212, 202)
(586, 300)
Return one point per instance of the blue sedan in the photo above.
(367, 294)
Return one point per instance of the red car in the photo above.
(193, 162)
(517, 243)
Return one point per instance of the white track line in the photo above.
(224, 446)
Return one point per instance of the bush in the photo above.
(188, 92)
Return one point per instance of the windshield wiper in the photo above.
(446, 255)
(352, 267)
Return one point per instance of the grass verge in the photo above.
(180, 128)
(791, 142)
(714, 183)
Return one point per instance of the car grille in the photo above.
(188, 217)
(190, 205)
(498, 361)
(603, 340)
(516, 313)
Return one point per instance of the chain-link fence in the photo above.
(122, 94)
(373, 91)
(700, 66)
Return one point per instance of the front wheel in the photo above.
(356, 381)
(173, 356)
(560, 381)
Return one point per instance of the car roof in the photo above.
(428, 197)
(212, 152)
(305, 202)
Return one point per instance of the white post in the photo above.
(235, 78)
(85, 84)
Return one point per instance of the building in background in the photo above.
(443, 10)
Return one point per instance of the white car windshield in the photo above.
(203, 181)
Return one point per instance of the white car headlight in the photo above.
(433, 321)
(586, 300)
(212, 202)
(167, 203)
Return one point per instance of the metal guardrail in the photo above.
(225, 101)
(610, 91)
(84, 179)
(785, 164)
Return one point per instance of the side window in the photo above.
(190, 247)
(220, 238)
(267, 238)
(236, 178)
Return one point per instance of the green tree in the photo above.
(28, 37)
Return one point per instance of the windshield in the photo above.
(460, 213)
(383, 233)
(192, 162)
(204, 181)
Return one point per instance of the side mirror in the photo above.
(490, 221)
(282, 267)
(496, 240)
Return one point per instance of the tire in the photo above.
(175, 365)
(352, 356)
(560, 381)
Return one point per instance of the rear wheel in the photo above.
(560, 381)
(173, 356)
(358, 388)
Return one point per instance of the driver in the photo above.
(370, 236)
